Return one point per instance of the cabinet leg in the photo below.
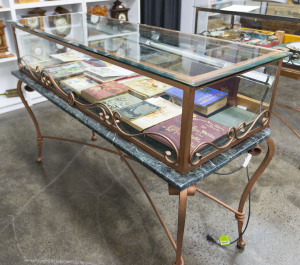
(181, 223)
(38, 131)
(240, 217)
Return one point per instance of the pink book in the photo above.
(105, 90)
(203, 130)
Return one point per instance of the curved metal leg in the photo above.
(181, 223)
(240, 217)
(38, 131)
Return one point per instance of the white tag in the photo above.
(246, 159)
(242, 107)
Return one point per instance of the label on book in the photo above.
(203, 130)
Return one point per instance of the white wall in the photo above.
(187, 23)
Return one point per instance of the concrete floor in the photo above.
(82, 206)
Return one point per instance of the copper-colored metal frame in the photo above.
(190, 191)
(183, 162)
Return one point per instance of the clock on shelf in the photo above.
(34, 19)
(119, 11)
(96, 12)
(3, 46)
(61, 21)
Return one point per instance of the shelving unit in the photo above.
(14, 11)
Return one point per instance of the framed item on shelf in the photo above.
(3, 46)
(119, 11)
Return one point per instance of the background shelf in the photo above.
(14, 11)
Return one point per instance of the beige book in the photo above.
(167, 111)
(146, 86)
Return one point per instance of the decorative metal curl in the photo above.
(41, 76)
(116, 120)
(71, 99)
(232, 134)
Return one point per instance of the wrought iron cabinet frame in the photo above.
(181, 175)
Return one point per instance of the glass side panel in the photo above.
(190, 59)
(260, 32)
(284, 11)
(231, 109)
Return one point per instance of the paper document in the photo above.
(240, 8)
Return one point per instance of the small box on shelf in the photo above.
(25, 1)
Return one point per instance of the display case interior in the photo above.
(260, 23)
(183, 98)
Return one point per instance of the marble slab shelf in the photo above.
(163, 171)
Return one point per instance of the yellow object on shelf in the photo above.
(25, 1)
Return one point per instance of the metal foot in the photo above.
(94, 137)
(241, 243)
(38, 131)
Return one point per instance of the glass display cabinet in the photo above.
(260, 23)
(182, 98)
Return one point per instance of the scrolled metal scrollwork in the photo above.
(41, 76)
(232, 134)
(105, 115)
(116, 120)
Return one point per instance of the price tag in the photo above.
(246, 159)
(224, 240)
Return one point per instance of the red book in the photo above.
(105, 90)
(203, 130)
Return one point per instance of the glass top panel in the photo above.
(186, 58)
(261, 8)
